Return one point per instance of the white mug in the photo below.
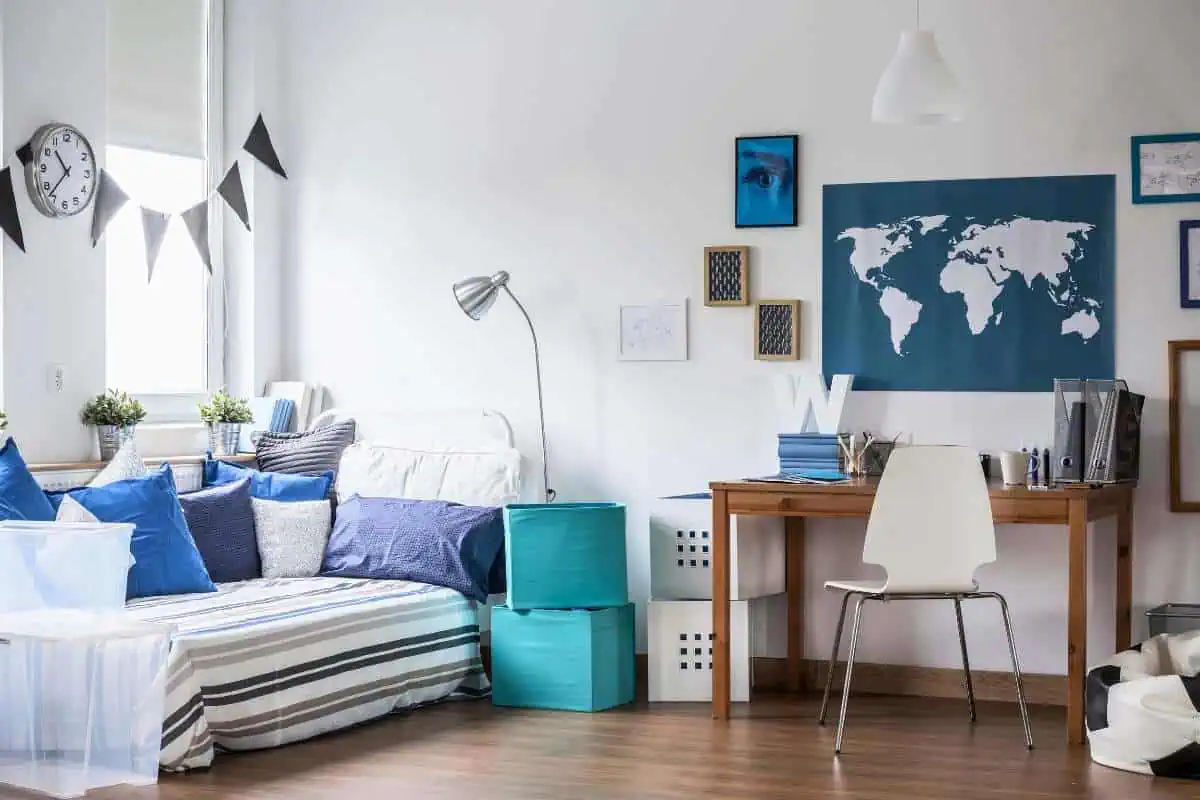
(1013, 466)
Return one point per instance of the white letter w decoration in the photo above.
(803, 397)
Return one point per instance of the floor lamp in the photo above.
(475, 297)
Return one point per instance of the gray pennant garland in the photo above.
(10, 219)
(258, 144)
(154, 230)
(232, 193)
(196, 220)
(110, 197)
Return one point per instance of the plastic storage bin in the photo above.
(82, 695)
(679, 634)
(63, 565)
(567, 660)
(1173, 618)
(681, 551)
(565, 555)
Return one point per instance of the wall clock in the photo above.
(62, 176)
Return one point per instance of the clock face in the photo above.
(63, 175)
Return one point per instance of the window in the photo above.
(157, 329)
(162, 341)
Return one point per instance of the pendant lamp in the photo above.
(917, 88)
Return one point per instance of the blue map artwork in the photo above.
(969, 285)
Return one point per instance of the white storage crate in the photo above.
(63, 565)
(679, 633)
(681, 551)
(82, 695)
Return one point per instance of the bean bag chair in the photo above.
(1143, 708)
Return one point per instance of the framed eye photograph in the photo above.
(766, 173)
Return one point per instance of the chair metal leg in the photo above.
(962, 643)
(837, 643)
(1012, 650)
(858, 609)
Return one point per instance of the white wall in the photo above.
(53, 295)
(587, 147)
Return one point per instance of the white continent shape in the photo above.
(902, 312)
(1083, 322)
(874, 247)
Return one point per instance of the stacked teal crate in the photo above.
(565, 638)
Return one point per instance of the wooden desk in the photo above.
(1073, 507)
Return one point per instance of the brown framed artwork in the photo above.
(727, 276)
(777, 330)
(1183, 423)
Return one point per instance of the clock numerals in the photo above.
(46, 185)
(66, 137)
(49, 152)
(42, 167)
(83, 157)
(87, 173)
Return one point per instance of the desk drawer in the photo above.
(808, 504)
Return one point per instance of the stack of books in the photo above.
(809, 452)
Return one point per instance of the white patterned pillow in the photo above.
(291, 536)
(127, 463)
(71, 510)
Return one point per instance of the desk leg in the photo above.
(1125, 574)
(1077, 522)
(794, 556)
(720, 605)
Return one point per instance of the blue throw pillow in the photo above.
(18, 488)
(7, 512)
(166, 560)
(270, 485)
(221, 521)
(416, 540)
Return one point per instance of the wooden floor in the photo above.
(895, 748)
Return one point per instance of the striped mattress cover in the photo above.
(266, 662)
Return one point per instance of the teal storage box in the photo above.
(573, 660)
(565, 555)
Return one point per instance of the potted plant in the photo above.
(114, 415)
(224, 416)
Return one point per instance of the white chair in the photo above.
(930, 529)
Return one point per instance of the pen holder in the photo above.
(854, 452)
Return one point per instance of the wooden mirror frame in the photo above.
(1175, 351)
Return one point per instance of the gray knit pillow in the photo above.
(306, 453)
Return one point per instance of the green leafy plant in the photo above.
(223, 408)
(112, 407)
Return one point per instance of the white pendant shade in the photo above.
(917, 88)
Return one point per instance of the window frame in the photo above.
(182, 407)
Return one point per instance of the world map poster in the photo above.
(969, 285)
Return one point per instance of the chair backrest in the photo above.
(931, 525)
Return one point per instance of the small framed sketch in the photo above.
(1166, 168)
(777, 330)
(653, 332)
(727, 276)
(766, 174)
(1189, 263)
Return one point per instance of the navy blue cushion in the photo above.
(18, 488)
(269, 485)
(221, 521)
(166, 560)
(417, 540)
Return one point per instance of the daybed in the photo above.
(267, 662)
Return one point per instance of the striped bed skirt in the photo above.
(267, 662)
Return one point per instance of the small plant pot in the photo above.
(111, 438)
(223, 438)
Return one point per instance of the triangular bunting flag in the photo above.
(25, 154)
(154, 229)
(110, 197)
(232, 193)
(258, 144)
(10, 220)
(196, 220)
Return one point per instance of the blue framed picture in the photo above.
(767, 174)
(1189, 263)
(1166, 168)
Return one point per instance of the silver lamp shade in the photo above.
(476, 295)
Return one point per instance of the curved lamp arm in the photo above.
(537, 363)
